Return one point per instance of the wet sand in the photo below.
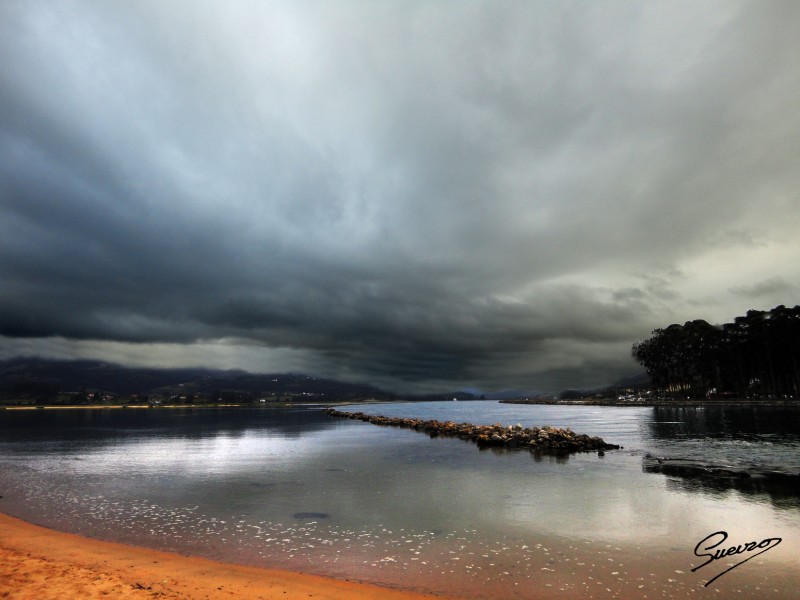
(41, 564)
(37, 563)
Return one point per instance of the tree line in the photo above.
(758, 355)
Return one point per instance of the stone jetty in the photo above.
(544, 440)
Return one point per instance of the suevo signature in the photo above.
(716, 539)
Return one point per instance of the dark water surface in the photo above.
(295, 488)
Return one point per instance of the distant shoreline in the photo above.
(661, 403)
(29, 407)
(582, 402)
(109, 406)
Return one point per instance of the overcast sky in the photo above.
(422, 195)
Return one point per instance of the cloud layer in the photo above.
(419, 194)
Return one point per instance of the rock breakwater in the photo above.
(545, 440)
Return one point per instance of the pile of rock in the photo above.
(549, 440)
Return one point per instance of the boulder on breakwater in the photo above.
(549, 440)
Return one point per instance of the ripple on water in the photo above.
(461, 562)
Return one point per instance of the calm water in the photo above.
(298, 489)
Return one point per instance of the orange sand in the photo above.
(41, 564)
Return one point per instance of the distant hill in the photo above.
(34, 380)
(75, 375)
(637, 382)
(39, 380)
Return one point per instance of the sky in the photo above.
(422, 195)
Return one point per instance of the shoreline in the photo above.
(34, 407)
(686, 403)
(40, 563)
(699, 403)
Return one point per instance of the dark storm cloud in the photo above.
(422, 194)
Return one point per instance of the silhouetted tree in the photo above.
(756, 355)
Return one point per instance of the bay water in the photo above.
(294, 488)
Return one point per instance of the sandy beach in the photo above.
(39, 563)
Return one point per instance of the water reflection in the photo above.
(713, 450)
(782, 491)
(734, 422)
(92, 425)
(253, 486)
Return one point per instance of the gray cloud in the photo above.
(773, 287)
(416, 193)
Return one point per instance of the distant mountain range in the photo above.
(39, 379)
(34, 380)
